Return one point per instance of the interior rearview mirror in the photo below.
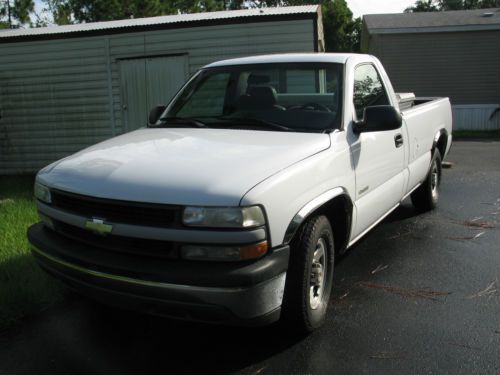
(379, 118)
(155, 113)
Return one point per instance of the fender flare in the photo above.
(441, 132)
(309, 208)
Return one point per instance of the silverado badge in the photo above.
(98, 226)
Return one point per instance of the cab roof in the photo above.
(287, 58)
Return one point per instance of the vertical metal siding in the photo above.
(461, 65)
(476, 117)
(54, 101)
(55, 94)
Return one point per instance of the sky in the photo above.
(361, 7)
(358, 7)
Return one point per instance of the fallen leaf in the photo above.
(425, 293)
(398, 235)
(379, 268)
(388, 355)
(463, 345)
(344, 295)
(478, 235)
(490, 290)
(467, 238)
(257, 371)
(481, 224)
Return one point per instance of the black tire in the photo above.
(307, 293)
(426, 197)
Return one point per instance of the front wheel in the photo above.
(310, 276)
(426, 197)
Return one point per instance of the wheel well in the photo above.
(442, 143)
(339, 213)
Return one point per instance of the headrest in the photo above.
(257, 79)
(264, 96)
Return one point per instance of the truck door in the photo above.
(378, 157)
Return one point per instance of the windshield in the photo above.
(302, 97)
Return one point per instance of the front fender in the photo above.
(309, 208)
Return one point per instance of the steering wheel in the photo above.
(313, 106)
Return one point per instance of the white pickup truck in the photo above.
(232, 204)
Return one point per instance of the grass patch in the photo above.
(476, 134)
(24, 287)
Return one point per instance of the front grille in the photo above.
(129, 245)
(148, 214)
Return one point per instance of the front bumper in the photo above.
(247, 293)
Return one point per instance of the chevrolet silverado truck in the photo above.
(232, 204)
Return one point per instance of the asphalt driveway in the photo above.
(419, 294)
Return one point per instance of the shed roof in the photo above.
(477, 19)
(177, 20)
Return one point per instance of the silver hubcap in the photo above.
(318, 272)
(434, 181)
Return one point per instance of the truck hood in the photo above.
(181, 166)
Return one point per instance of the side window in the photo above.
(368, 89)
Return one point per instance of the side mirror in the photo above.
(155, 113)
(378, 118)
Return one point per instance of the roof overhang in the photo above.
(177, 21)
(433, 29)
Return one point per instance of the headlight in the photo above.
(224, 217)
(224, 253)
(42, 192)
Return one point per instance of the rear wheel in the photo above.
(310, 276)
(426, 197)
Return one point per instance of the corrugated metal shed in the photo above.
(434, 21)
(164, 20)
(454, 54)
(65, 88)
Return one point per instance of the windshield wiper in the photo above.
(252, 121)
(183, 121)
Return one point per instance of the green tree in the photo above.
(108, 10)
(59, 11)
(440, 5)
(15, 13)
(342, 33)
(423, 6)
(22, 10)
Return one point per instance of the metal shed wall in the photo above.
(461, 65)
(59, 96)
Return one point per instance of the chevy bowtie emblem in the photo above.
(98, 226)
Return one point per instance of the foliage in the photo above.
(22, 10)
(24, 288)
(423, 6)
(15, 13)
(342, 33)
(439, 5)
